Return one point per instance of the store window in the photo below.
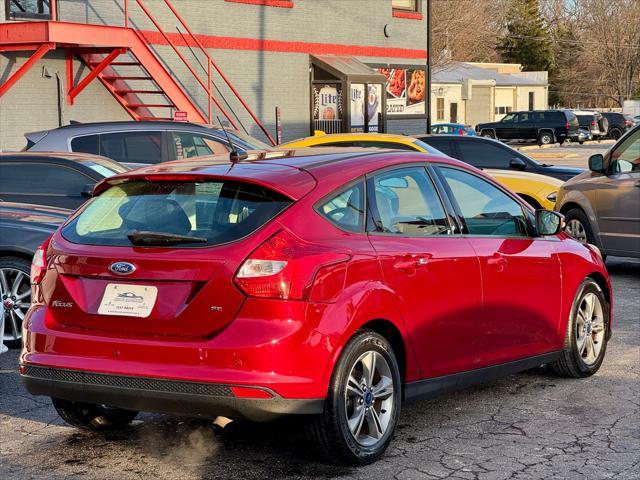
(532, 98)
(408, 5)
(21, 9)
(440, 108)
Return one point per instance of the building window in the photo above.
(408, 5)
(502, 110)
(440, 108)
(532, 96)
(36, 9)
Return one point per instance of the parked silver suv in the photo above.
(140, 143)
(602, 206)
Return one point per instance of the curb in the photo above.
(525, 148)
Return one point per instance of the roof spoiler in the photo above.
(34, 137)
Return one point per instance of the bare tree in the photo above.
(465, 30)
(611, 38)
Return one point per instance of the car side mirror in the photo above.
(517, 163)
(596, 163)
(87, 190)
(548, 222)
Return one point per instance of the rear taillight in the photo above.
(285, 266)
(594, 123)
(39, 262)
(567, 125)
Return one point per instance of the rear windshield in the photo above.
(573, 120)
(185, 214)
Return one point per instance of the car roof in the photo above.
(292, 172)
(356, 137)
(135, 125)
(61, 157)
(78, 129)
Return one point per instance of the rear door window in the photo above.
(86, 144)
(17, 178)
(484, 154)
(185, 213)
(187, 145)
(443, 145)
(132, 147)
(407, 203)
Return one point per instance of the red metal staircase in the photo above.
(121, 58)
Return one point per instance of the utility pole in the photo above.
(427, 105)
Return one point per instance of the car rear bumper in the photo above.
(161, 395)
(256, 367)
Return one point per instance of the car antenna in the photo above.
(234, 155)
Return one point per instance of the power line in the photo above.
(574, 42)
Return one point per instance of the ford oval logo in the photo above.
(122, 268)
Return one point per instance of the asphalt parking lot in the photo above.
(570, 154)
(531, 425)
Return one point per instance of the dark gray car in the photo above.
(602, 206)
(141, 143)
(23, 228)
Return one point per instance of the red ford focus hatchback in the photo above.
(329, 285)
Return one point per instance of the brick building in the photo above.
(339, 65)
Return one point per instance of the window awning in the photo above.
(346, 69)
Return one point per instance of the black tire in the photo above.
(545, 138)
(581, 142)
(24, 266)
(330, 430)
(577, 214)
(93, 417)
(615, 133)
(571, 364)
(487, 134)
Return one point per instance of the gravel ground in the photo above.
(531, 425)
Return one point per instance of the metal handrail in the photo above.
(213, 64)
(210, 63)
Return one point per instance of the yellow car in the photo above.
(537, 190)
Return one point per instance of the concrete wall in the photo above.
(32, 103)
(265, 78)
(541, 97)
(504, 97)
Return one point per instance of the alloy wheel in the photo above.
(15, 290)
(369, 398)
(576, 230)
(590, 328)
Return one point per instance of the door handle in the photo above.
(637, 184)
(497, 261)
(411, 262)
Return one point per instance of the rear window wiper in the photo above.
(146, 238)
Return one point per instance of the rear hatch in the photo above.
(573, 124)
(156, 255)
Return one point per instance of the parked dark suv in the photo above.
(488, 153)
(543, 126)
(618, 124)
